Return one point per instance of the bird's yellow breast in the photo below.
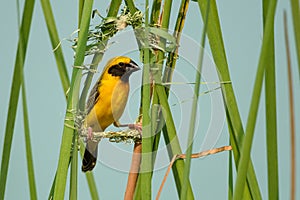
(113, 94)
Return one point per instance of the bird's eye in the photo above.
(121, 64)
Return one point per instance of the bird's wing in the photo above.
(93, 97)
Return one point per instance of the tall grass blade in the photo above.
(80, 9)
(230, 176)
(74, 155)
(295, 6)
(72, 104)
(51, 193)
(15, 91)
(146, 161)
(186, 173)
(169, 132)
(164, 25)
(154, 21)
(292, 112)
(172, 56)
(30, 169)
(74, 169)
(271, 117)
(234, 122)
(155, 11)
(58, 53)
(92, 186)
(247, 143)
(163, 22)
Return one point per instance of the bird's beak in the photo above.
(133, 66)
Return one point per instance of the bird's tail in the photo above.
(90, 156)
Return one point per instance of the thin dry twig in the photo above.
(195, 155)
(134, 171)
(292, 118)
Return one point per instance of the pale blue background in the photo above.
(241, 24)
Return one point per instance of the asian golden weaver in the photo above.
(106, 103)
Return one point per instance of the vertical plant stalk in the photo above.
(172, 57)
(135, 179)
(154, 18)
(190, 142)
(143, 182)
(271, 113)
(61, 66)
(146, 162)
(30, 169)
(74, 168)
(89, 176)
(54, 38)
(157, 116)
(234, 121)
(51, 193)
(161, 21)
(80, 9)
(58, 53)
(113, 11)
(47, 10)
(230, 176)
(134, 171)
(292, 114)
(72, 104)
(15, 92)
(295, 7)
(74, 153)
(169, 131)
(247, 143)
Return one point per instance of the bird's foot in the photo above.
(138, 127)
(90, 133)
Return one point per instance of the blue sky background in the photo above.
(241, 23)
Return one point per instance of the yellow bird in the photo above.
(106, 103)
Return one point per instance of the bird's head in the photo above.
(121, 67)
